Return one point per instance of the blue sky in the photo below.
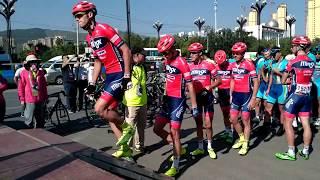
(176, 15)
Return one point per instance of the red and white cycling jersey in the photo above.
(301, 69)
(225, 77)
(242, 74)
(177, 73)
(105, 43)
(202, 74)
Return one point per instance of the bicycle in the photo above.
(58, 108)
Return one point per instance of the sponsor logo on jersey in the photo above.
(98, 43)
(289, 103)
(307, 64)
(199, 72)
(100, 53)
(179, 112)
(171, 69)
(224, 73)
(238, 71)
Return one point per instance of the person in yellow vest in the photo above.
(135, 101)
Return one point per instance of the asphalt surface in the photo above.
(259, 163)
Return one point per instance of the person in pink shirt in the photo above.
(32, 90)
(3, 87)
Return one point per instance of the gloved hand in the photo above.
(126, 83)
(90, 89)
(195, 112)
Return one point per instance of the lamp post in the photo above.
(7, 11)
(241, 21)
(128, 22)
(157, 25)
(290, 20)
(199, 23)
(258, 6)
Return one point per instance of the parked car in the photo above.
(7, 68)
(53, 71)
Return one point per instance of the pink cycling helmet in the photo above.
(239, 47)
(165, 43)
(195, 47)
(303, 41)
(220, 56)
(84, 6)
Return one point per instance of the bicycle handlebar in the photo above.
(57, 94)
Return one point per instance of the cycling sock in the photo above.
(305, 149)
(291, 150)
(176, 162)
(200, 144)
(241, 137)
(209, 144)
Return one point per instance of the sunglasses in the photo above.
(166, 53)
(237, 54)
(194, 52)
(79, 15)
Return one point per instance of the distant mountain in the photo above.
(24, 35)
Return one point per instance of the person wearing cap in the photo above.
(135, 101)
(3, 87)
(276, 91)
(32, 91)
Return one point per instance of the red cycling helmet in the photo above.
(239, 47)
(301, 40)
(165, 43)
(195, 47)
(84, 6)
(220, 56)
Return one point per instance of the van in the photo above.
(7, 68)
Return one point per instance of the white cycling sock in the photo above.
(209, 144)
(291, 150)
(305, 149)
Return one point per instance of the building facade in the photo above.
(313, 19)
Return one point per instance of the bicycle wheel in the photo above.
(62, 114)
(89, 109)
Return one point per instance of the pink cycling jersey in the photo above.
(225, 77)
(105, 43)
(242, 74)
(177, 72)
(202, 74)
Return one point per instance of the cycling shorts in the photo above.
(240, 101)
(224, 97)
(172, 110)
(205, 103)
(277, 93)
(297, 104)
(112, 91)
(262, 90)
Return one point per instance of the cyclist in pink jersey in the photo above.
(177, 76)
(204, 78)
(109, 50)
(299, 102)
(242, 96)
(224, 92)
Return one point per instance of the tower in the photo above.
(253, 18)
(313, 19)
(281, 16)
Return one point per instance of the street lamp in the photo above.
(157, 25)
(199, 23)
(241, 21)
(258, 6)
(7, 11)
(128, 22)
(290, 20)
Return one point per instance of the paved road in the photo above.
(258, 164)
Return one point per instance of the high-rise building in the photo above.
(281, 16)
(274, 16)
(313, 19)
(253, 18)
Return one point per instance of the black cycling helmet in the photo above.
(274, 51)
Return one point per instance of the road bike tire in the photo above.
(62, 114)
